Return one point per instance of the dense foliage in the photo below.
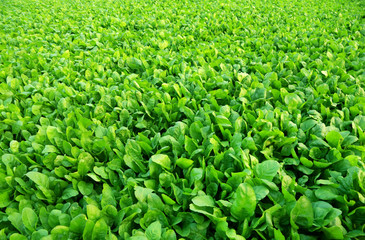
(175, 119)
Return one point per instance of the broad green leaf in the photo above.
(85, 163)
(39, 179)
(16, 220)
(302, 213)
(60, 233)
(278, 235)
(40, 234)
(184, 163)
(77, 224)
(260, 192)
(133, 157)
(326, 193)
(54, 217)
(308, 124)
(267, 170)
(30, 219)
(134, 63)
(17, 236)
(85, 188)
(334, 138)
(93, 212)
(223, 121)
(69, 193)
(244, 204)
(203, 201)
(168, 200)
(142, 193)
(88, 230)
(249, 143)
(169, 234)
(334, 232)
(260, 93)
(100, 230)
(154, 230)
(2, 234)
(108, 196)
(324, 213)
(5, 199)
(162, 160)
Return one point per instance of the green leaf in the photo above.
(267, 170)
(204, 201)
(2, 234)
(324, 213)
(169, 235)
(155, 202)
(358, 215)
(5, 199)
(278, 235)
(60, 233)
(39, 234)
(85, 188)
(302, 213)
(85, 163)
(163, 44)
(39, 178)
(154, 231)
(162, 160)
(244, 204)
(142, 193)
(100, 230)
(223, 121)
(306, 125)
(54, 216)
(16, 220)
(133, 157)
(195, 130)
(249, 143)
(323, 88)
(168, 200)
(260, 93)
(190, 145)
(184, 163)
(232, 234)
(88, 230)
(292, 100)
(29, 218)
(101, 171)
(134, 63)
(93, 212)
(49, 149)
(88, 74)
(260, 192)
(17, 236)
(326, 193)
(107, 196)
(77, 224)
(334, 138)
(355, 233)
(334, 232)
(69, 193)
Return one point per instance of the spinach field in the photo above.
(182, 119)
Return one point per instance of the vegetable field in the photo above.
(182, 119)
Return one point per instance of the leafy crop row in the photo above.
(190, 119)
